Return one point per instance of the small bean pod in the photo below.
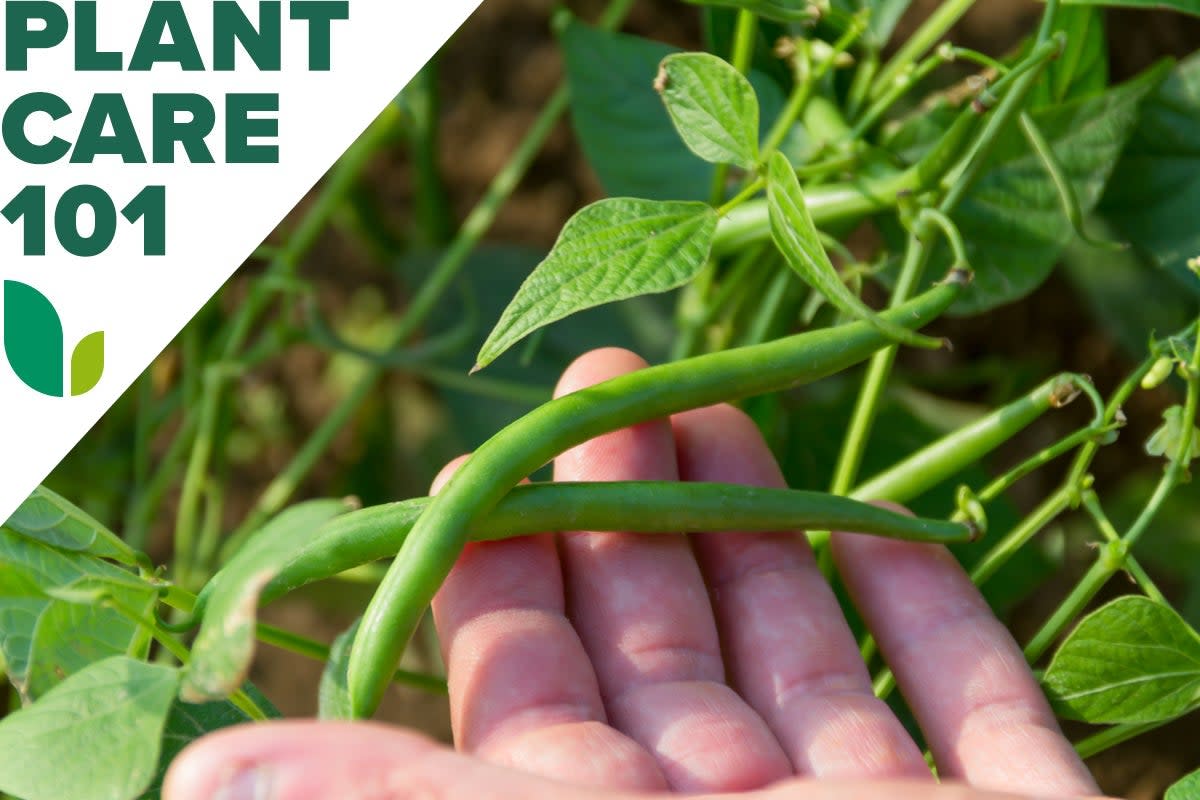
(439, 535)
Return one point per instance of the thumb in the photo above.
(347, 761)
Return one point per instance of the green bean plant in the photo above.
(787, 210)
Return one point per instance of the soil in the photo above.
(494, 75)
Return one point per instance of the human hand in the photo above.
(608, 665)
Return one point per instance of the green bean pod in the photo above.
(370, 534)
(439, 535)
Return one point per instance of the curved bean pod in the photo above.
(439, 535)
(370, 534)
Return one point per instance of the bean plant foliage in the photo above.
(763, 196)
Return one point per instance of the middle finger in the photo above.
(642, 612)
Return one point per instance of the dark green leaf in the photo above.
(187, 722)
(720, 25)
(46, 638)
(95, 736)
(1012, 219)
(713, 107)
(1155, 189)
(779, 10)
(224, 647)
(1186, 6)
(622, 126)
(33, 338)
(1186, 788)
(612, 250)
(52, 519)
(1106, 279)
(795, 235)
(1134, 660)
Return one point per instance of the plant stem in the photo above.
(880, 366)
(1110, 737)
(435, 219)
(1108, 564)
(937, 25)
(1025, 530)
(803, 91)
(308, 648)
(744, 35)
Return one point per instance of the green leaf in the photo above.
(333, 694)
(1186, 788)
(96, 736)
(87, 363)
(1012, 218)
(44, 639)
(1186, 6)
(623, 127)
(1082, 68)
(1155, 188)
(187, 722)
(795, 235)
(33, 338)
(713, 107)
(224, 647)
(54, 520)
(1106, 279)
(1133, 660)
(611, 250)
(778, 10)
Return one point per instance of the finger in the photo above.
(642, 610)
(789, 650)
(522, 691)
(359, 761)
(365, 761)
(965, 678)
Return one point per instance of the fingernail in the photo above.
(252, 783)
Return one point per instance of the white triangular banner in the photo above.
(216, 214)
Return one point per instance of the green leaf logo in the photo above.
(33, 343)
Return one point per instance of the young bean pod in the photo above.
(439, 535)
(370, 534)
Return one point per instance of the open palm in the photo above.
(609, 664)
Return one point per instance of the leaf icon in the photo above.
(33, 338)
(87, 363)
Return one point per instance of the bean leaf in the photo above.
(44, 634)
(1155, 189)
(623, 127)
(55, 521)
(713, 107)
(611, 250)
(1133, 660)
(796, 237)
(224, 647)
(95, 736)
(1186, 788)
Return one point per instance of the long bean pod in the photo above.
(439, 535)
(370, 534)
